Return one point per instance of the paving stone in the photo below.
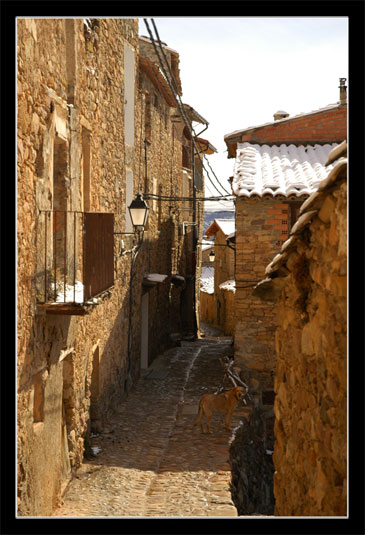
(155, 463)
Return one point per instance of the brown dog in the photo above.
(222, 403)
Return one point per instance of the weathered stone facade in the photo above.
(309, 281)
(81, 130)
(70, 85)
(208, 308)
(168, 251)
(228, 309)
(224, 270)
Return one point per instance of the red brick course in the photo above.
(329, 126)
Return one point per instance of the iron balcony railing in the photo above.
(75, 255)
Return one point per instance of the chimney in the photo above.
(343, 91)
(280, 115)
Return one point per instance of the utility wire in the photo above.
(156, 196)
(214, 173)
(177, 97)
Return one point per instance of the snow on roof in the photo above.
(227, 226)
(207, 244)
(279, 170)
(207, 280)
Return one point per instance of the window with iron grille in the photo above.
(75, 255)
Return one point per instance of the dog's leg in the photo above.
(209, 416)
(199, 418)
(228, 420)
(202, 420)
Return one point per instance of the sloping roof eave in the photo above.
(153, 72)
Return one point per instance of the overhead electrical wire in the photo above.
(156, 196)
(178, 97)
(178, 100)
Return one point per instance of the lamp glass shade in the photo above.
(138, 210)
(211, 256)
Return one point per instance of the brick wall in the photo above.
(328, 126)
(261, 228)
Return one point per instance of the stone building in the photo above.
(278, 165)
(93, 130)
(307, 280)
(224, 274)
(169, 242)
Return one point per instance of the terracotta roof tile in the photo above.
(285, 170)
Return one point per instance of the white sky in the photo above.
(238, 71)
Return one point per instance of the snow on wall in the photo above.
(207, 280)
(229, 285)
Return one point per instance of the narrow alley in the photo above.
(152, 461)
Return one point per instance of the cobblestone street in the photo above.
(153, 462)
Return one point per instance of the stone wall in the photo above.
(72, 370)
(70, 81)
(250, 456)
(311, 380)
(208, 308)
(222, 313)
(167, 250)
(309, 279)
(228, 311)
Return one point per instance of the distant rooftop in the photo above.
(227, 226)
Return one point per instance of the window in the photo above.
(186, 160)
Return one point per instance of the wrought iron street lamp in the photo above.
(138, 210)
